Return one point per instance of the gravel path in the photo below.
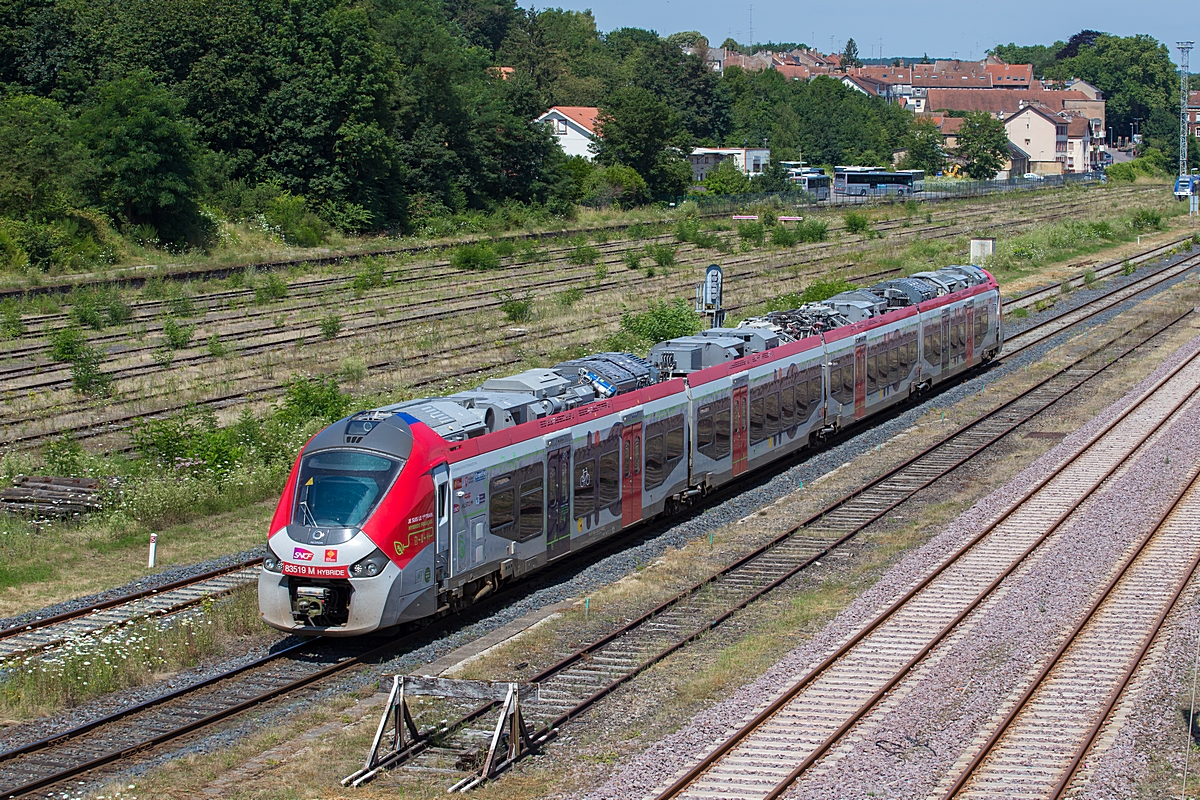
(604, 571)
(666, 757)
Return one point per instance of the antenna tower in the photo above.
(751, 42)
(1184, 49)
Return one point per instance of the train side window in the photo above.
(637, 455)
(894, 364)
(531, 509)
(674, 445)
(772, 414)
(936, 350)
(872, 374)
(962, 337)
(500, 510)
(655, 462)
(929, 356)
(981, 325)
(802, 401)
(610, 479)
(787, 407)
(848, 383)
(585, 487)
(814, 392)
(704, 434)
(912, 352)
(757, 412)
(721, 431)
(835, 383)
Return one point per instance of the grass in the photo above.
(122, 658)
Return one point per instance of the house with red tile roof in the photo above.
(573, 127)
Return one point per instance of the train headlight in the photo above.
(271, 563)
(370, 566)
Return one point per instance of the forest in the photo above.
(154, 122)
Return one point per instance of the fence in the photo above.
(934, 190)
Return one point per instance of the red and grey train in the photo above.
(416, 509)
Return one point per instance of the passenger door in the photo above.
(558, 496)
(631, 473)
(741, 425)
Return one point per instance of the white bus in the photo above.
(873, 182)
(810, 179)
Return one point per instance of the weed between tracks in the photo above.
(135, 655)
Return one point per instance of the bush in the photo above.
(272, 289)
(601, 272)
(1089, 277)
(1146, 220)
(67, 344)
(503, 247)
(812, 231)
(177, 335)
(331, 326)
(783, 236)
(1128, 269)
(686, 229)
(632, 258)
(815, 292)
(516, 309)
(181, 306)
(661, 254)
(584, 255)
(1066, 287)
(313, 398)
(1019, 313)
(664, 319)
(752, 232)
(353, 369)
(11, 324)
(290, 216)
(478, 257)
(569, 297)
(369, 277)
(857, 222)
(216, 348)
(620, 185)
(86, 376)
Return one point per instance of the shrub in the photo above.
(353, 369)
(64, 457)
(911, 206)
(708, 240)
(1019, 313)
(812, 231)
(11, 324)
(815, 292)
(86, 311)
(632, 258)
(272, 289)
(516, 309)
(503, 247)
(86, 376)
(584, 255)
(1128, 269)
(290, 216)
(686, 229)
(1089, 277)
(783, 236)
(1146, 220)
(664, 319)
(662, 254)
(216, 348)
(177, 335)
(752, 232)
(601, 272)
(118, 311)
(1066, 287)
(331, 326)
(313, 398)
(67, 343)
(857, 222)
(478, 257)
(569, 297)
(181, 306)
(369, 277)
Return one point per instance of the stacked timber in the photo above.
(43, 496)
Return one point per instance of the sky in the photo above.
(936, 27)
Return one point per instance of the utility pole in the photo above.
(751, 42)
(1184, 49)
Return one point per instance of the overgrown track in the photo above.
(575, 683)
(75, 418)
(117, 611)
(585, 676)
(765, 757)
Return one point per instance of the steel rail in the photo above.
(744, 732)
(1071, 638)
(1010, 423)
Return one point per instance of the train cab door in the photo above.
(631, 469)
(558, 495)
(741, 424)
(442, 503)
(860, 380)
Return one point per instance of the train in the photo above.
(407, 512)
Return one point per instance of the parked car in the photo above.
(1032, 176)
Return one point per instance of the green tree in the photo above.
(144, 155)
(1039, 55)
(1135, 73)
(617, 184)
(982, 144)
(638, 130)
(850, 54)
(726, 178)
(38, 159)
(925, 148)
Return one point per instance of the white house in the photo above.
(574, 127)
(750, 160)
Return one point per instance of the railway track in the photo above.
(176, 596)
(812, 716)
(574, 684)
(37, 766)
(116, 423)
(1037, 749)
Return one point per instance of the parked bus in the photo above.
(873, 182)
(810, 179)
(918, 179)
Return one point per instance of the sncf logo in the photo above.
(300, 554)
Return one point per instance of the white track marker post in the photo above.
(153, 551)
